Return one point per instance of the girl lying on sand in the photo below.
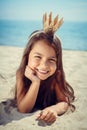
(40, 78)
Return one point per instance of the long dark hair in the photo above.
(55, 88)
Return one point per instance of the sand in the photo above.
(75, 66)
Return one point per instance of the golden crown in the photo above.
(50, 25)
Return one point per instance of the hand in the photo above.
(30, 74)
(49, 115)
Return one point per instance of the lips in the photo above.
(42, 71)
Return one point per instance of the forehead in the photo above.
(43, 47)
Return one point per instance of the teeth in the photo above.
(42, 71)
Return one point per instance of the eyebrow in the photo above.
(52, 57)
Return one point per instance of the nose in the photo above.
(43, 65)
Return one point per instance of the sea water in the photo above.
(73, 35)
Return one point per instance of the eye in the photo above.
(37, 57)
(52, 60)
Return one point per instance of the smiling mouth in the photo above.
(42, 71)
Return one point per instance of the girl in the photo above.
(40, 79)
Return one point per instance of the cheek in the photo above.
(32, 63)
(54, 68)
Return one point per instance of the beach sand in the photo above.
(75, 66)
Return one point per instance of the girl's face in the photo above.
(42, 59)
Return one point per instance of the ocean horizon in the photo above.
(73, 35)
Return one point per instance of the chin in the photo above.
(42, 78)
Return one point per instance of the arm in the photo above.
(49, 114)
(26, 100)
(60, 108)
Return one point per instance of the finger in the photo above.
(28, 72)
(29, 67)
(51, 115)
(52, 118)
(43, 114)
(48, 116)
(38, 117)
(32, 70)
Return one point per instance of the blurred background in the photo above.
(19, 18)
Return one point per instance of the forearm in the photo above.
(27, 102)
(60, 108)
(49, 114)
